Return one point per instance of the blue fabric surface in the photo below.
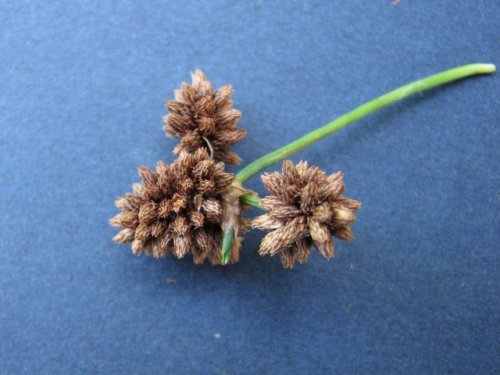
(82, 91)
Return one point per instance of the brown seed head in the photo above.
(305, 207)
(180, 208)
(202, 118)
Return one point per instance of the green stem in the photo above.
(251, 200)
(364, 110)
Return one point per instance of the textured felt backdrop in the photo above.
(82, 87)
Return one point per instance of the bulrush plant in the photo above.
(195, 207)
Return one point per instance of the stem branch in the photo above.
(251, 200)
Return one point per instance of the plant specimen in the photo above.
(193, 206)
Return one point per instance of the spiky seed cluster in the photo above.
(179, 208)
(306, 207)
(202, 118)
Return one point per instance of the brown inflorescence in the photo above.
(202, 118)
(306, 207)
(181, 208)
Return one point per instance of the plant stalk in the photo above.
(364, 110)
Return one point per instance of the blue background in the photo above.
(82, 91)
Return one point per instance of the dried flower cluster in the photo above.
(180, 208)
(187, 207)
(306, 207)
(202, 118)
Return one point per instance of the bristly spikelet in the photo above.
(202, 118)
(305, 207)
(180, 208)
